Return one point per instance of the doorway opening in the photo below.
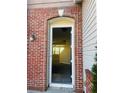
(61, 53)
(61, 56)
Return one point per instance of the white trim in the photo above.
(73, 59)
(50, 66)
(61, 85)
(73, 55)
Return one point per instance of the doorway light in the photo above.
(58, 49)
(61, 49)
(32, 37)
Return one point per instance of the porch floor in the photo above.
(54, 90)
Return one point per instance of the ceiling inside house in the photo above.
(61, 35)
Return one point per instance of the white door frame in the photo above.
(73, 58)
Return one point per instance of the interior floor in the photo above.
(61, 73)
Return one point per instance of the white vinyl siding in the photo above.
(89, 34)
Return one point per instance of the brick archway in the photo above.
(61, 23)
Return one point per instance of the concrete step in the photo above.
(54, 90)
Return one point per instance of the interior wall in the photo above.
(65, 55)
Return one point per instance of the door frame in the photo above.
(73, 58)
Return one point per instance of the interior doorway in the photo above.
(62, 61)
(61, 53)
(61, 56)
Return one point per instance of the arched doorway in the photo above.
(61, 68)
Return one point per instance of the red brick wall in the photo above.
(88, 81)
(37, 50)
